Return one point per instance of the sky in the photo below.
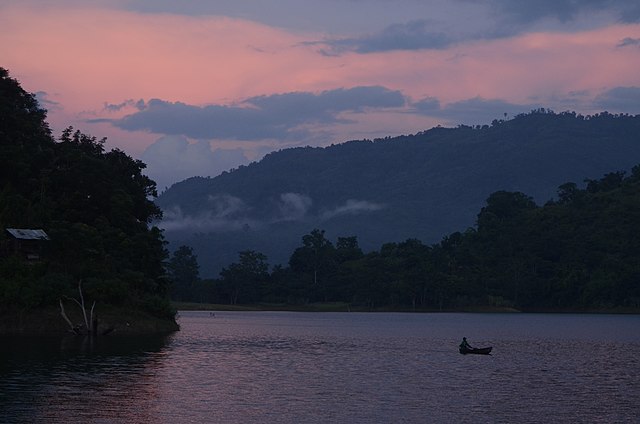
(196, 87)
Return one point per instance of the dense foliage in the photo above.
(579, 252)
(94, 205)
(424, 186)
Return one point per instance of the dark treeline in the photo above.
(93, 204)
(579, 252)
(423, 186)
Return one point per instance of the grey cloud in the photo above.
(211, 221)
(44, 100)
(323, 106)
(138, 104)
(294, 206)
(502, 18)
(229, 213)
(277, 116)
(478, 110)
(214, 121)
(527, 11)
(471, 111)
(530, 11)
(628, 41)
(327, 16)
(450, 21)
(428, 105)
(414, 35)
(631, 13)
(224, 213)
(226, 206)
(620, 99)
(351, 207)
(173, 158)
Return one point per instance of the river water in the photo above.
(287, 367)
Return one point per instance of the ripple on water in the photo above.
(318, 368)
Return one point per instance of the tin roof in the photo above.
(27, 234)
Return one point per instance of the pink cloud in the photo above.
(108, 53)
(542, 65)
(84, 57)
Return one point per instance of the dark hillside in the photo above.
(420, 186)
(74, 224)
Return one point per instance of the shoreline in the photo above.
(111, 321)
(130, 322)
(345, 307)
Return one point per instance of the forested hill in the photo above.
(580, 252)
(90, 209)
(422, 186)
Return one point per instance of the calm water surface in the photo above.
(284, 367)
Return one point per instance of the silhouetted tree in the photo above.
(314, 262)
(242, 281)
(183, 271)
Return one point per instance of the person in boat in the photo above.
(465, 345)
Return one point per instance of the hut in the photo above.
(25, 243)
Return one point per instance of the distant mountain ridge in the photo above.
(421, 186)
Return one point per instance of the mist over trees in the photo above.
(423, 186)
(578, 252)
(95, 206)
(313, 207)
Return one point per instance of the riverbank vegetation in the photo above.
(424, 185)
(579, 252)
(330, 307)
(88, 217)
(91, 210)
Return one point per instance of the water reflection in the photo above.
(339, 368)
(78, 379)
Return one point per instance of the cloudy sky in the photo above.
(195, 87)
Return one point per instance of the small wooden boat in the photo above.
(477, 350)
